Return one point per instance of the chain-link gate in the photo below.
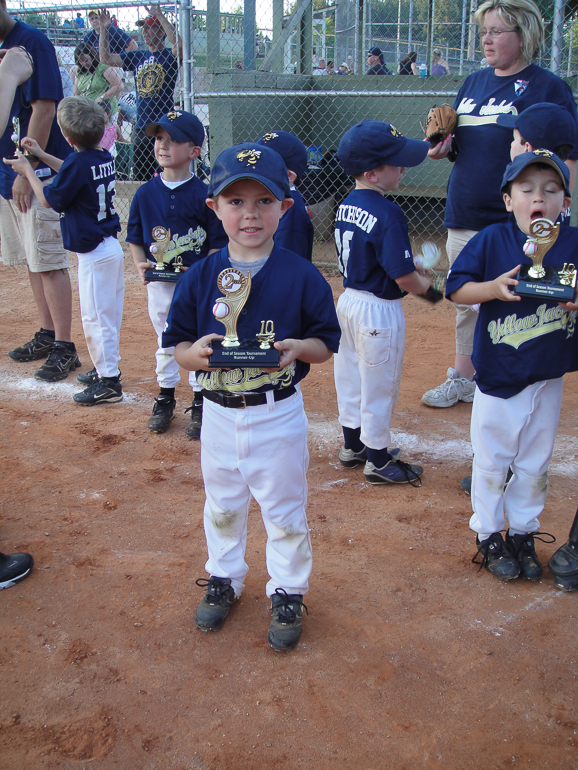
(260, 65)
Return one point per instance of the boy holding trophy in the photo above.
(254, 434)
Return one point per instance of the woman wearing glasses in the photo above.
(511, 33)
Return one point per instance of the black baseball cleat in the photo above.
(163, 413)
(14, 567)
(497, 557)
(563, 565)
(523, 550)
(89, 378)
(61, 360)
(286, 620)
(215, 604)
(38, 347)
(106, 390)
(193, 429)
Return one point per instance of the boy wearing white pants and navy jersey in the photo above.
(173, 200)
(521, 351)
(83, 193)
(254, 434)
(377, 266)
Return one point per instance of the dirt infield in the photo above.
(409, 658)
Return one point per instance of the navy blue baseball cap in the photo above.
(180, 126)
(250, 161)
(375, 51)
(525, 159)
(543, 125)
(371, 143)
(289, 147)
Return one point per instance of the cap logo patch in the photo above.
(174, 115)
(251, 156)
(545, 153)
(394, 132)
(269, 136)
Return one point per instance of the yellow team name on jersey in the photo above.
(514, 331)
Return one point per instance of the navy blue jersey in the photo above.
(155, 76)
(474, 199)
(516, 343)
(372, 244)
(45, 83)
(117, 40)
(288, 290)
(83, 194)
(295, 231)
(195, 229)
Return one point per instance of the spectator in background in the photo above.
(114, 21)
(155, 74)
(321, 68)
(376, 62)
(408, 65)
(79, 22)
(67, 84)
(439, 66)
(330, 68)
(94, 80)
(343, 70)
(239, 65)
(119, 41)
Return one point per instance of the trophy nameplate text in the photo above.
(537, 280)
(169, 272)
(231, 352)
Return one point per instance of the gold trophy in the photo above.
(537, 280)
(163, 270)
(16, 138)
(231, 352)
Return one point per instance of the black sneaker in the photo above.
(61, 360)
(393, 472)
(193, 429)
(522, 547)
(215, 604)
(37, 348)
(163, 413)
(89, 378)
(286, 620)
(466, 484)
(106, 390)
(497, 557)
(564, 566)
(14, 567)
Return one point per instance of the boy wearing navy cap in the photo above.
(295, 231)
(376, 262)
(521, 351)
(175, 201)
(254, 434)
(83, 193)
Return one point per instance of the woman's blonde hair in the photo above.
(524, 16)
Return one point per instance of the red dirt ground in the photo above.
(409, 658)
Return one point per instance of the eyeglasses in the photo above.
(495, 33)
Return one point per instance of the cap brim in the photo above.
(507, 121)
(273, 188)
(412, 154)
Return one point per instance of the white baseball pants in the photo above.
(160, 296)
(259, 452)
(515, 432)
(101, 293)
(368, 365)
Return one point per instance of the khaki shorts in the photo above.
(465, 317)
(32, 239)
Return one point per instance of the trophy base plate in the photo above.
(548, 287)
(247, 354)
(167, 276)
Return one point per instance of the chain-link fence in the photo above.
(253, 67)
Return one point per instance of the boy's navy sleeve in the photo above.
(470, 264)
(66, 186)
(394, 251)
(134, 231)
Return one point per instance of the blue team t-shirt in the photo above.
(83, 193)
(474, 200)
(295, 232)
(195, 228)
(288, 290)
(516, 343)
(155, 76)
(372, 244)
(45, 83)
(117, 40)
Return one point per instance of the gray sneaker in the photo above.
(454, 389)
(349, 459)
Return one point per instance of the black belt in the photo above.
(241, 400)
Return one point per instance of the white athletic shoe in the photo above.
(454, 389)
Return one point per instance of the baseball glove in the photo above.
(440, 123)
